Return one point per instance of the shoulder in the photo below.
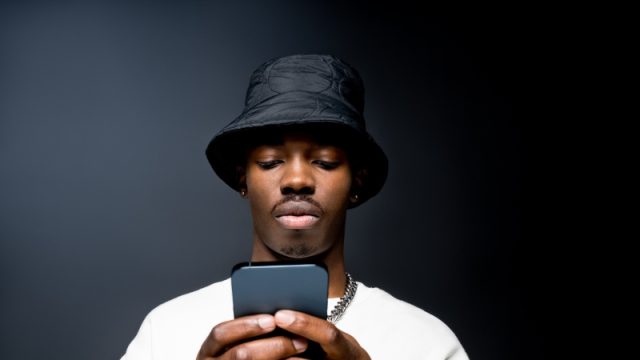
(176, 328)
(209, 300)
(392, 320)
(392, 309)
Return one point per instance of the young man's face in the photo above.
(298, 190)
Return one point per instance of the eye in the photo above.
(327, 165)
(266, 165)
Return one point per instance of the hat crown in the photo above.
(312, 92)
(308, 73)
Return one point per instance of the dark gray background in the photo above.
(108, 206)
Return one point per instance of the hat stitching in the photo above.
(334, 78)
(267, 77)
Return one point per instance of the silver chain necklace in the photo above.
(349, 292)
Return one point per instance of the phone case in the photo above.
(265, 288)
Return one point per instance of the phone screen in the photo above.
(264, 288)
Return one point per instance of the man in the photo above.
(300, 154)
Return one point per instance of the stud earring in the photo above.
(243, 193)
(354, 198)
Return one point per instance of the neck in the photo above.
(333, 258)
(335, 265)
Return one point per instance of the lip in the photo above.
(297, 222)
(297, 214)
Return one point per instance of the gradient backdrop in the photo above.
(108, 206)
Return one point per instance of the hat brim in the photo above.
(226, 151)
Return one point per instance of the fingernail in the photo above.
(266, 322)
(299, 344)
(285, 317)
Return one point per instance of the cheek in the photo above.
(259, 192)
(339, 190)
(256, 181)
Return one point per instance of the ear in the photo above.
(359, 177)
(241, 175)
(357, 184)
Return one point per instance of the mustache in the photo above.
(298, 197)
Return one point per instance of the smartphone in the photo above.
(266, 287)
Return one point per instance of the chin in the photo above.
(296, 245)
(297, 251)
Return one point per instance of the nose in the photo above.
(297, 178)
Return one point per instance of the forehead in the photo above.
(310, 136)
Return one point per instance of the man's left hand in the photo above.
(336, 344)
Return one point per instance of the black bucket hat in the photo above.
(308, 92)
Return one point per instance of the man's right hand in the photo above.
(230, 340)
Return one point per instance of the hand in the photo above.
(336, 344)
(228, 340)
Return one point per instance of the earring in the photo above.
(354, 198)
(243, 193)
